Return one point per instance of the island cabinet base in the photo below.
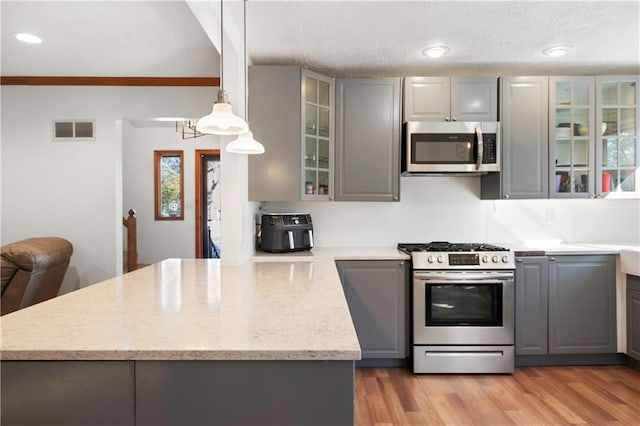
(178, 392)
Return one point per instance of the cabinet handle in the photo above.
(552, 259)
(506, 196)
(592, 196)
(519, 260)
(401, 263)
(395, 198)
(447, 119)
(455, 119)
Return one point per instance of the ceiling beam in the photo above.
(108, 81)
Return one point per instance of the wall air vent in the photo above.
(74, 130)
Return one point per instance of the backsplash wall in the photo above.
(450, 209)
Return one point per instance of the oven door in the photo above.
(463, 308)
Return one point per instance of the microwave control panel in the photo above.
(489, 148)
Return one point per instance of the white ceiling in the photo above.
(341, 38)
(106, 38)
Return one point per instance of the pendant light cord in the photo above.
(246, 77)
(221, 46)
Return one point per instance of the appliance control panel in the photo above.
(463, 260)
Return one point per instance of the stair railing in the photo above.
(132, 241)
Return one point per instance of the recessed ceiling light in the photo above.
(28, 38)
(556, 51)
(436, 51)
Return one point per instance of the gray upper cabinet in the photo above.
(290, 108)
(571, 137)
(450, 99)
(525, 132)
(617, 135)
(582, 304)
(633, 317)
(427, 98)
(367, 163)
(376, 292)
(531, 305)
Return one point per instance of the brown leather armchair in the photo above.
(32, 271)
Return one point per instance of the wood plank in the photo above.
(108, 81)
(598, 395)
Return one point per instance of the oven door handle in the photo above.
(463, 277)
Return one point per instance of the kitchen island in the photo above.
(186, 342)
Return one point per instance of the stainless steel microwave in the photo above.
(450, 147)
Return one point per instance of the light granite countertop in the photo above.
(335, 253)
(193, 309)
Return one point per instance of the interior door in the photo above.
(208, 204)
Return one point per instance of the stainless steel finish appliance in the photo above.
(285, 232)
(463, 308)
(450, 147)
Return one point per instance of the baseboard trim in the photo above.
(383, 363)
(573, 359)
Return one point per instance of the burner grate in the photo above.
(442, 246)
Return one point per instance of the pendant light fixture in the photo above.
(222, 120)
(245, 143)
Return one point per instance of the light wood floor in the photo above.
(607, 395)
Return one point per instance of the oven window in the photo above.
(442, 149)
(464, 305)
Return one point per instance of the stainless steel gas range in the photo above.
(463, 308)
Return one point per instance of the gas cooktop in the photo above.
(449, 247)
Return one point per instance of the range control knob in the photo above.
(430, 259)
(505, 259)
(440, 259)
(495, 259)
(485, 259)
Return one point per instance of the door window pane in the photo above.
(563, 93)
(610, 93)
(311, 90)
(310, 155)
(628, 152)
(610, 152)
(323, 95)
(581, 93)
(627, 122)
(628, 93)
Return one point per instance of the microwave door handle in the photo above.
(310, 238)
(480, 148)
(291, 244)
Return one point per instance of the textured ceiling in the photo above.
(365, 38)
(340, 38)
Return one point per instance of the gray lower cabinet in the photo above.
(532, 274)
(633, 317)
(367, 140)
(376, 291)
(582, 304)
(67, 393)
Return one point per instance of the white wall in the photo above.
(158, 240)
(450, 209)
(73, 189)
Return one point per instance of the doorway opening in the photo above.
(208, 204)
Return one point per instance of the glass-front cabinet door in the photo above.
(317, 136)
(571, 137)
(617, 117)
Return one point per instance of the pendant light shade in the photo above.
(222, 120)
(245, 144)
